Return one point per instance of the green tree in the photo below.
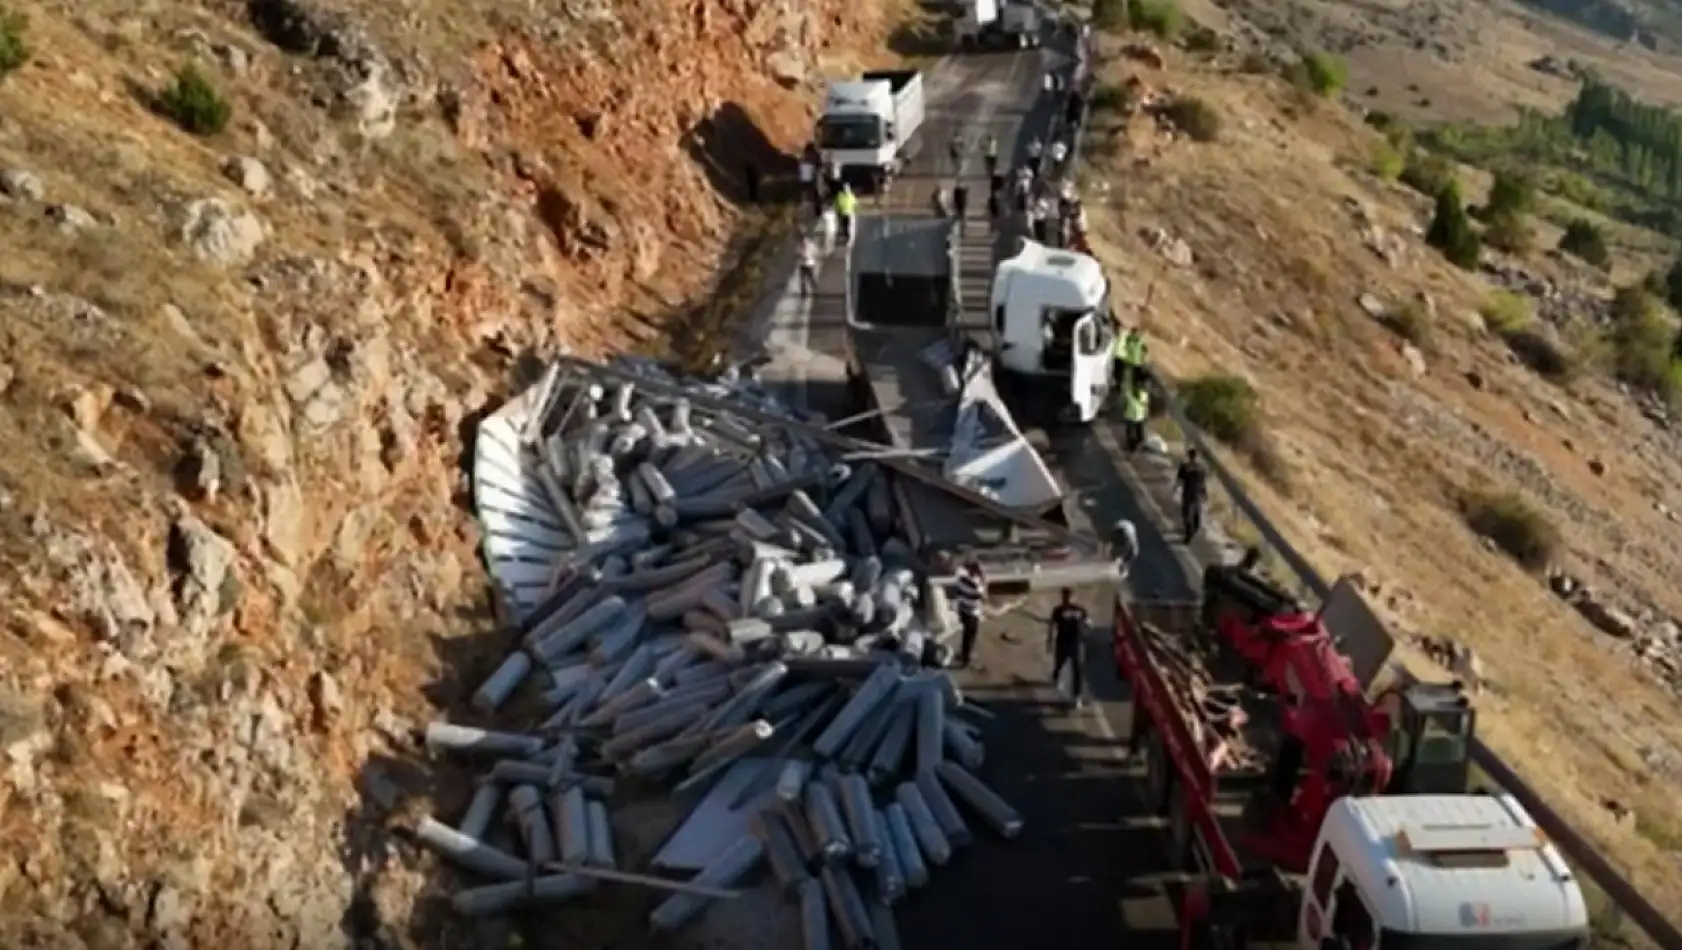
(1451, 230)
(1110, 15)
(1586, 242)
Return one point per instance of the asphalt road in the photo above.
(1087, 871)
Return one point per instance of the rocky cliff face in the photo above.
(236, 376)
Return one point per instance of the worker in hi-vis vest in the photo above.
(1135, 409)
(1129, 358)
(846, 204)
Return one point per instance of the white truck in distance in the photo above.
(869, 124)
(1051, 317)
(998, 23)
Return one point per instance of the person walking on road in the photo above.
(970, 593)
(808, 266)
(1036, 150)
(991, 156)
(846, 206)
(1135, 411)
(828, 224)
(955, 151)
(1065, 640)
(960, 201)
(1191, 482)
(1059, 153)
(809, 189)
(1129, 358)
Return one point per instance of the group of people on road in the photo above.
(835, 205)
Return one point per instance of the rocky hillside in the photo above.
(235, 373)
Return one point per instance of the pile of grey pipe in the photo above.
(736, 595)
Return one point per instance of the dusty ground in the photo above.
(1436, 60)
(1282, 223)
(234, 373)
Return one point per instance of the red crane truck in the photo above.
(1304, 815)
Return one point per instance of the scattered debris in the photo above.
(734, 613)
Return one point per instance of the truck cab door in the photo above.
(1088, 370)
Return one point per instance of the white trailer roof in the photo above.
(1455, 864)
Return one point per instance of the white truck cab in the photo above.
(1051, 316)
(998, 23)
(1439, 872)
(869, 123)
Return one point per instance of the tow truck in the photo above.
(1304, 815)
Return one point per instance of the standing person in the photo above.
(960, 201)
(970, 592)
(846, 205)
(1064, 639)
(1059, 153)
(832, 176)
(1041, 220)
(1036, 149)
(955, 151)
(1192, 484)
(1135, 410)
(827, 226)
(1129, 357)
(991, 156)
(808, 266)
(809, 189)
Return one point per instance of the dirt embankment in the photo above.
(235, 376)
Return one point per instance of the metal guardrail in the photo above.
(1582, 852)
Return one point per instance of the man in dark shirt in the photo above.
(1192, 482)
(1063, 638)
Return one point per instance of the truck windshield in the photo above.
(1534, 940)
(850, 131)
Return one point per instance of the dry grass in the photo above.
(1270, 210)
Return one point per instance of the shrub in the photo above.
(1673, 285)
(1110, 15)
(1320, 73)
(1201, 39)
(194, 103)
(1509, 231)
(1111, 97)
(1386, 162)
(1195, 117)
(1515, 525)
(1541, 351)
(1641, 341)
(14, 52)
(1506, 312)
(1426, 173)
(1586, 242)
(1451, 230)
(1410, 322)
(1255, 64)
(1511, 193)
(1226, 407)
(1161, 17)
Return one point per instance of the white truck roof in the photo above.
(1455, 864)
(1079, 276)
(857, 96)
